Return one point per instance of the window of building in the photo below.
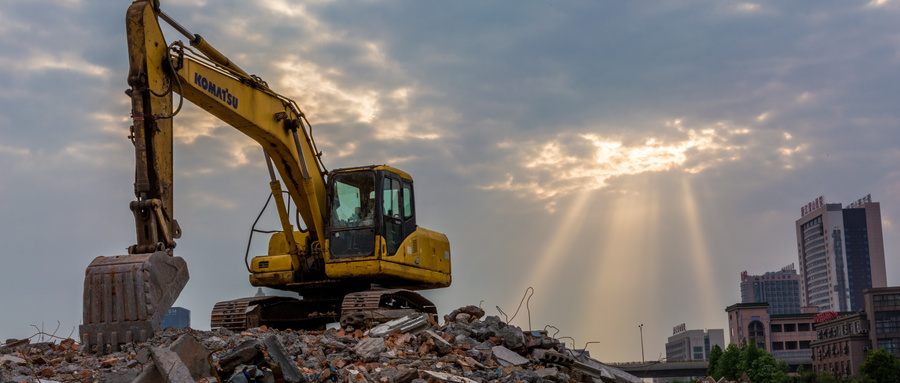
(890, 345)
(757, 333)
(791, 345)
(790, 327)
(804, 345)
(776, 328)
(777, 346)
(887, 300)
(803, 327)
(887, 322)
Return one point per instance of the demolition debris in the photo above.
(468, 348)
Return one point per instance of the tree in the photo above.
(714, 356)
(881, 366)
(728, 365)
(806, 376)
(750, 353)
(759, 365)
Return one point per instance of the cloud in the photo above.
(577, 161)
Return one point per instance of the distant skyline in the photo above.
(626, 160)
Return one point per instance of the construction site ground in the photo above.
(468, 347)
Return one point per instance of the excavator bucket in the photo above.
(126, 297)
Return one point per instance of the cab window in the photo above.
(407, 201)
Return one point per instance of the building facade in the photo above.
(780, 289)
(686, 345)
(840, 252)
(842, 341)
(787, 337)
(693, 344)
(883, 309)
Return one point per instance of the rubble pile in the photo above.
(468, 348)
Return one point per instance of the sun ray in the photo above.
(548, 260)
(625, 258)
(703, 281)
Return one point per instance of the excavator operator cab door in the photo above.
(398, 215)
(367, 204)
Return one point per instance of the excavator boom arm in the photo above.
(270, 119)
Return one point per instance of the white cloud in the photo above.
(14, 150)
(805, 97)
(43, 61)
(747, 7)
(323, 98)
(572, 162)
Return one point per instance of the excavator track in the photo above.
(368, 308)
(278, 312)
(232, 314)
(359, 310)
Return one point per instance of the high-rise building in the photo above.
(177, 317)
(780, 289)
(841, 253)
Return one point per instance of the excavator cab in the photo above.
(372, 231)
(370, 235)
(369, 206)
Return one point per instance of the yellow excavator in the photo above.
(358, 259)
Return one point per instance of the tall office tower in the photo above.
(841, 253)
(780, 289)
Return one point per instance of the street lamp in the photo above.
(641, 326)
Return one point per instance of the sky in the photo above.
(626, 160)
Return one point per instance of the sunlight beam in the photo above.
(560, 246)
(703, 281)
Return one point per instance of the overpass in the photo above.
(664, 369)
(686, 368)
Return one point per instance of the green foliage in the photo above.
(827, 377)
(714, 356)
(881, 366)
(806, 376)
(728, 365)
(760, 366)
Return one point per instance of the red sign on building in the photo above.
(815, 204)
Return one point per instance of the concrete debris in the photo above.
(441, 345)
(369, 349)
(12, 359)
(170, 366)
(193, 354)
(284, 367)
(465, 314)
(506, 357)
(413, 323)
(444, 377)
(468, 348)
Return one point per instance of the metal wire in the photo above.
(527, 308)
